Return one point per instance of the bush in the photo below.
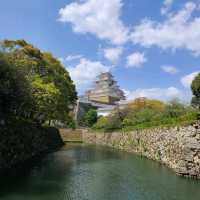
(90, 118)
(25, 140)
(146, 114)
(114, 123)
(142, 103)
(72, 124)
(174, 109)
(196, 91)
(195, 101)
(101, 123)
(108, 124)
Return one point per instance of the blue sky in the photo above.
(151, 47)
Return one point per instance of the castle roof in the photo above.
(105, 90)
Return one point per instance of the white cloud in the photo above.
(180, 30)
(164, 94)
(166, 6)
(84, 73)
(98, 17)
(187, 80)
(69, 58)
(73, 57)
(136, 59)
(62, 60)
(113, 54)
(169, 69)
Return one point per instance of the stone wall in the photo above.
(178, 148)
(70, 135)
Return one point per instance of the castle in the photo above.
(104, 96)
(105, 91)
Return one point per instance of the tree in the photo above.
(90, 118)
(141, 103)
(196, 91)
(174, 109)
(68, 96)
(101, 123)
(51, 87)
(46, 96)
(15, 92)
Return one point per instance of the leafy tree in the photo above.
(108, 124)
(71, 124)
(90, 118)
(51, 87)
(196, 91)
(46, 96)
(114, 122)
(195, 101)
(145, 113)
(15, 92)
(101, 123)
(58, 74)
(141, 103)
(174, 109)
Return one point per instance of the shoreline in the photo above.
(178, 148)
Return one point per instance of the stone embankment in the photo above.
(70, 135)
(178, 147)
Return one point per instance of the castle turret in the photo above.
(106, 90)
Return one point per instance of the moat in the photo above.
(81, 172)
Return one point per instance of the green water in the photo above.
(96, 173)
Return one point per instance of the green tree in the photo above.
(145, 113)
(61, 79)
(15, 92)
(174, 109)
(196, 91)
(46, 96)
(52, 89)
(101, 123)
(90, 118)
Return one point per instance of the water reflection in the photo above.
(79, 172)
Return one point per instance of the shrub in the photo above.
(90, 118)
(114, 123)
(196, 91)
(174, 109)
(148, 113)
(101, 123)
(141, 103)
(108, 124)
(72, 124)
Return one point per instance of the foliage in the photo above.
(147, 113)
(174, 109)
(34, 89)
(113, 123)
(196, 91)
(19, 140)
(101, 123)
(41, 77)
(90, 118)
(15, 92)
(141, 103)
(71, 124)
(46, 97)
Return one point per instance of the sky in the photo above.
(152, 47)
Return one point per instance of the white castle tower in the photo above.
(105, 91)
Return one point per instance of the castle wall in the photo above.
(178, 147)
